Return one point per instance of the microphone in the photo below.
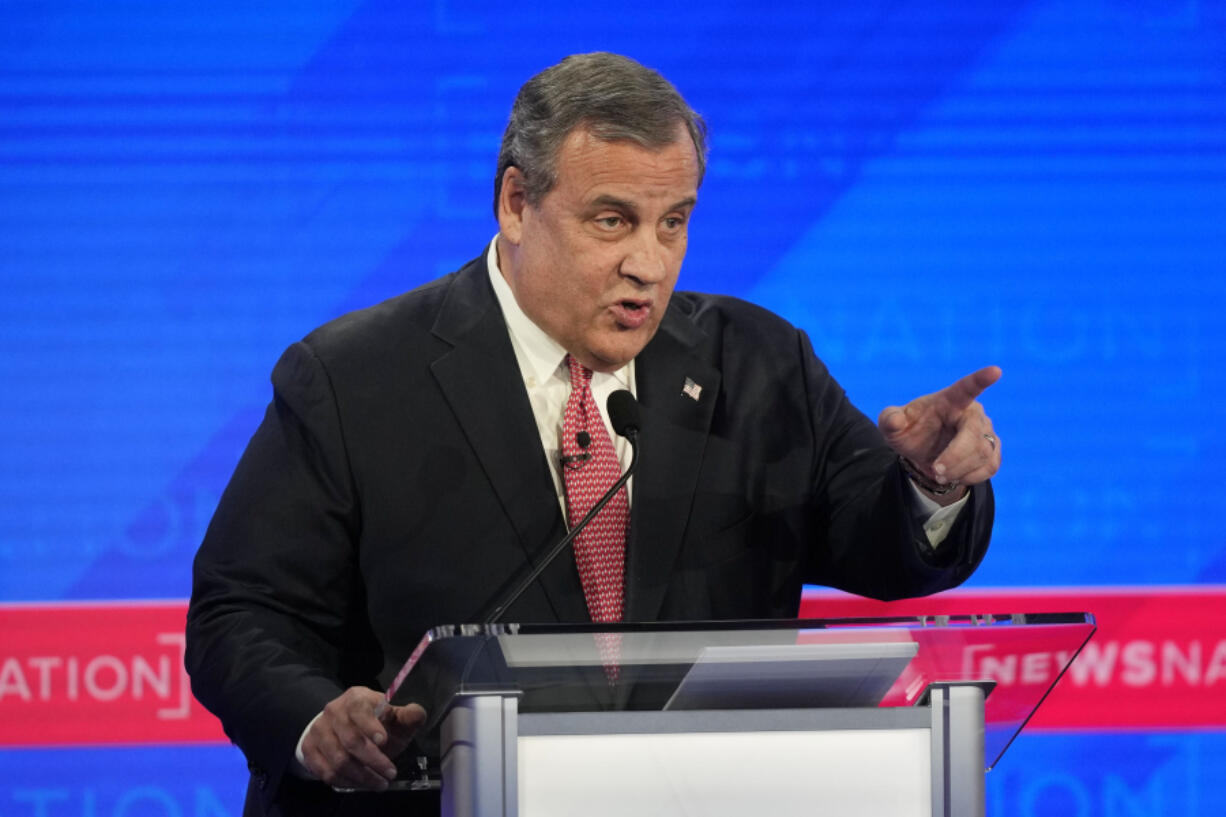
(624, 417)
(583, 440)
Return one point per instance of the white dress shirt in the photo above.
(542, 364)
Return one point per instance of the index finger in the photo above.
(964, 391)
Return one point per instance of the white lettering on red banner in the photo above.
(101, 673)
(108, 673)
(1157, 660)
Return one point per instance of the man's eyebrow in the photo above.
(607, 200)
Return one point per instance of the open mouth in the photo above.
(631, 314)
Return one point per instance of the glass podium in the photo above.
(897, 716)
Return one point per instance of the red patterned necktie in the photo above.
(600, 549)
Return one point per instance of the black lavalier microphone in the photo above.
(583, 440)
(624, 417)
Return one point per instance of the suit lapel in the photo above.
(493, 409)
(676, 424)
(480, 379)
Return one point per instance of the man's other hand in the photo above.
(946, 434)
(349, 746)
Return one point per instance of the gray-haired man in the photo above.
(411, 465)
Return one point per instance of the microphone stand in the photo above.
(631, 434)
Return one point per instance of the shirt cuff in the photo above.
(937, 520)
(299, 768)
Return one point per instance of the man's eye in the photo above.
(610, 222)
(674, 223)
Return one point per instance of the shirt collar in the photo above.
(539, 355)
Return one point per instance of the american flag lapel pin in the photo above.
(691, 389)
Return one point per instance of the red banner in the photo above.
(1157, 660)
(97, 673)
(112, 673)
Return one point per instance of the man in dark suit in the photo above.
(412, 466)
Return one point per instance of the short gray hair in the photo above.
(613, 96)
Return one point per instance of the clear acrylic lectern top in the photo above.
(794, 664)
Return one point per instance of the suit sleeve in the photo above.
(275, 608)
(873, 544)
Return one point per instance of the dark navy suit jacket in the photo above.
(398, 482)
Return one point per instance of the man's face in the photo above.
(595, 263)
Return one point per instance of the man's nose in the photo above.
(646, 259)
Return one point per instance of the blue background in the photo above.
(186, 188)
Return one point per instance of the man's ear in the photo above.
(511, 204)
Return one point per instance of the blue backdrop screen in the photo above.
(925, 187)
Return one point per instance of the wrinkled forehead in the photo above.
(590, 167)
